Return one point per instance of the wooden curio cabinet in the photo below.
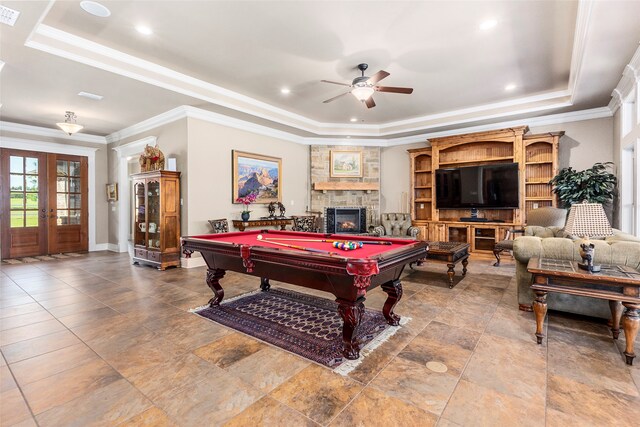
(156, 218)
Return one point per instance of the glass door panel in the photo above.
(140, 209)
(23, 182)
(153, 215)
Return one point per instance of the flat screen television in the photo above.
(488, 186)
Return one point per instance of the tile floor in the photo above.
(97, 341)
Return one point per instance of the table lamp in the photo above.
(588, 220)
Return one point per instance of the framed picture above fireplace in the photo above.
(346, 164)
(257, 174)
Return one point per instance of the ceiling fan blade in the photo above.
(335, 97)
(335, 83)
(391, 89)
(377, 77)
(369, 102)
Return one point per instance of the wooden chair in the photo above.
(219, 225)
(544, 217)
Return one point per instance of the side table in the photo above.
(618, 284)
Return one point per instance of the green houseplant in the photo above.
(595, 185)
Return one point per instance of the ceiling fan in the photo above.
(363, 87)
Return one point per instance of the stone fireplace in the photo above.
(343, 197)
(345, 220)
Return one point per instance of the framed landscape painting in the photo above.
(347, 164)
(257, 174)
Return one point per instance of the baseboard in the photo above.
(113, 247)
(99, 247)
(192, 262)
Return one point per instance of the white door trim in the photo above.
(74, 150)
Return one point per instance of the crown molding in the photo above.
(61, 43)
(630, 79)
(50, 133)
(583, 20)
(189, 112)
(135, 147)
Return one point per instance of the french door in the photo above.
(44, 204)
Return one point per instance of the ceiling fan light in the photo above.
(69, 125)
(362, 93)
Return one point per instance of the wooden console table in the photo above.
(619, 284)
(252, 223)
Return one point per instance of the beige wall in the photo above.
(172, 140)
(395, 177)
(584, 143)
(209, 166)
(101, 214)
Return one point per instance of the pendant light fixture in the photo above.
(70, 126)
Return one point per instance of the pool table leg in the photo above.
(351, 313)
(213, 280)
(394, 292)
(264, 284)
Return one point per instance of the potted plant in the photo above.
(246, 201)
(595, 185)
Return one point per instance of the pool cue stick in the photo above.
(326, 240)
(302, 248)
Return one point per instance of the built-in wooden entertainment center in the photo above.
(537, 158)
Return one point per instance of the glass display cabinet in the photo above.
(156, 218)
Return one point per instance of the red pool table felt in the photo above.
(251, 238)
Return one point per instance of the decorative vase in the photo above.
(245, 216)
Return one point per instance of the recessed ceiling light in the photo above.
(91, 96)
(510, 86)
(143, 29)
(353, 119)
(348, 136)
(488, 24)
(95, 9)
(285, 91)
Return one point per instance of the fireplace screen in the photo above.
(345, 220)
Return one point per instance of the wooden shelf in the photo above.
(423, 186)
(538, 182)
(423, 200)
(484, 160)
(348, 186)
(423, 171)
(539, 198)
(546, 162)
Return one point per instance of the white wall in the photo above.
(395, 177)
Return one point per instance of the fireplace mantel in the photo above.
(349, 186)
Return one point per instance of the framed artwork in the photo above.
(257, 174)
(346, 164)
(112, 192)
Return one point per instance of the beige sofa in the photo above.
(552, 242)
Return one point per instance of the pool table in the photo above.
(346, 274)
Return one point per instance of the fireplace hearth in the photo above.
(345, 220)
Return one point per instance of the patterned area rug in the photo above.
(53, 257)
(306, 325)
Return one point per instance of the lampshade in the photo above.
(70, 126)
(588, 220)
(362, 93)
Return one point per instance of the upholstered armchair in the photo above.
(543, 217)
(397, 225)
(307, 223)
(219, 225)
